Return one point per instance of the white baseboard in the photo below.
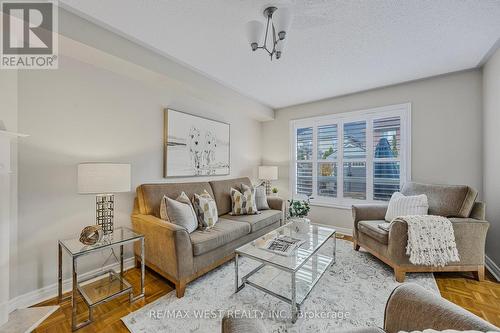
(37, 296)
(493, 268)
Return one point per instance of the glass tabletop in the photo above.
(119, 235)
(314, 236)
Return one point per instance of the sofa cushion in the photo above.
(149, 195)
(445, 200)
(224, 231)
(222, 192)
(370, 228)
(259, 221)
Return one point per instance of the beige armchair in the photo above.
(455, 202)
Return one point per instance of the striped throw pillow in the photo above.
(401, 205)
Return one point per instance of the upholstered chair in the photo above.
(458, 203)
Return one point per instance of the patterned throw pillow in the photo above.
(243, 203)
(206, 210)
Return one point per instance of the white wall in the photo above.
(491, 180)
(100, 107)
(8, 192)
(446, 132)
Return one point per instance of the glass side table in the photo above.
(111, 284)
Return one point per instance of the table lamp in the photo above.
(103, 180)
(268, 173)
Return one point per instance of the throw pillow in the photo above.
(401, 205)
(260, 196)
(181, 213)
(206, 210)
(243, 203)
(163, 204)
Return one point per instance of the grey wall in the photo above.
(446, 132)
(99, 106)
(491, 180)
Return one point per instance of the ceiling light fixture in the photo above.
(278, 22)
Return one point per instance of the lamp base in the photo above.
(104, 212)
(268, 187)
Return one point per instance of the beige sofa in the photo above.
(180, 256)
(409, 308)
(455, 202)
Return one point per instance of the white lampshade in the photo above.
(282, 19)
(254, 30)
(103, 178)
(268, 172)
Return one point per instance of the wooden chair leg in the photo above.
(356, 246)
(137, 262)
(399, 274)
(479, 275)
(180, 288)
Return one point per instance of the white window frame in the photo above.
(401, 110)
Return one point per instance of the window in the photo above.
(359, 156)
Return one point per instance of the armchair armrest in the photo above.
(413, 308)
(167, 246)
(470, 237)
(478, 211)
(368, 212)
(277, 203)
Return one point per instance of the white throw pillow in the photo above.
(401, 205)
(260, 196)
(179, 211)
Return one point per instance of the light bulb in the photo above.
(254, 32)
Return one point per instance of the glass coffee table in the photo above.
(305, 263)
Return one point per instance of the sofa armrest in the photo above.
(410, 307)
(367, 212)
(277, 203)
(478, 211)
(167, 246)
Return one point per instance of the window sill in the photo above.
(346, 205)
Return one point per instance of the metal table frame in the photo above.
(75, 282)
(293, 300)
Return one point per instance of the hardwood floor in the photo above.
(481, 298)
(107, 316)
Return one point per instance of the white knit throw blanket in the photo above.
(431, 240)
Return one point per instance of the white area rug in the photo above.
(352, 293)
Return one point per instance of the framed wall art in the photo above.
(195, 146)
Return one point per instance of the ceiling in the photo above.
(334, 47)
